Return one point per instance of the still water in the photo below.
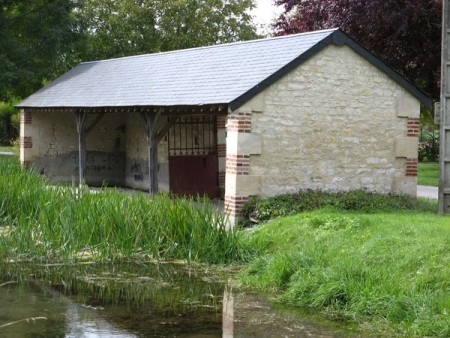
(142, 300)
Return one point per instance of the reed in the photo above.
(54, 223)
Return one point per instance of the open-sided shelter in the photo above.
(265, 117)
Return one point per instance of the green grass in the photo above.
(38, 222)
(4, 148)
(388, 270)
(382, 261)
(428, 174)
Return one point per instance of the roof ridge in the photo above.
(214, 46)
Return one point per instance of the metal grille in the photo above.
(193, 135)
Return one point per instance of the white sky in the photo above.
(265, 12)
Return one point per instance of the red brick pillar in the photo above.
(26, 141)
(237, 164)
(413, 131)
(221, 151)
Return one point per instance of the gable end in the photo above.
(337, 38)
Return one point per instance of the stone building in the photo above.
(265, 117)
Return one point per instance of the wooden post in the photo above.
(83, 132)
(150, 120)
(153, 138)
(80, 119)
(444, 146)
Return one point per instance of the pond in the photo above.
(143, 300)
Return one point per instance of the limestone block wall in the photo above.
(49, 141)
(44, 137)
(335, 123)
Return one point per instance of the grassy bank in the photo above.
(389, 270)
(38, 222)
(378, 260)
(428, 174)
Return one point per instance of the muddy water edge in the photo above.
(144, 300)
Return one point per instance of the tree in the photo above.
(41, 39)
(193, 23)
(129, 27)
(35, 39)
(405, 33)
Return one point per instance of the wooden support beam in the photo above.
(166, 128)
(95, 122)
(80, 117)
(150, 120)
(83, 132)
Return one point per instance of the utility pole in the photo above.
(444, 144)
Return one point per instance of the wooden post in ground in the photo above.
(153, 137)
(444, 146)
(150, 120)
(83, 132)
(80, 119)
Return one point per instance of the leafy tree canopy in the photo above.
(130, 27)
(405, 33)
(40, 39)
(35, 37)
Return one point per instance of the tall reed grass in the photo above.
(39, 222)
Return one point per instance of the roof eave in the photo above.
(215, 108)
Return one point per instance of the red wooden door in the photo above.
(194, 175)
(193, 163)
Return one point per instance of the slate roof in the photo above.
(223, 74)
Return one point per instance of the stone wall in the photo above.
(334, 123)
(49, 141)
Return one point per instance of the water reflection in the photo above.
(139, 300)
(228, 313)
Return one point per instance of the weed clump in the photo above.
(259, 210)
